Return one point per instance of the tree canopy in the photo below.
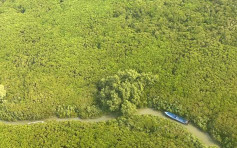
(123, 92)
(54, 52)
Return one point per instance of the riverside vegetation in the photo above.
(137, 131)
(62, 57)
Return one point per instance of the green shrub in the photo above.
(91, 111)
(2, 93)
(128, 108)
(66, 111)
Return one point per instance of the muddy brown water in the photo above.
(202, 136)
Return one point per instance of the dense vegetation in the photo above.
(123, 92)
(53, 53)
(138, 131)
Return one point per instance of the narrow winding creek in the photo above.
(202, 136)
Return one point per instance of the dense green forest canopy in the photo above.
(54, 52)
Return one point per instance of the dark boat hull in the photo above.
(177, 118)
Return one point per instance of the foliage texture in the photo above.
(124, 91)
(53, 52)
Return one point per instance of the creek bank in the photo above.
(202, 136)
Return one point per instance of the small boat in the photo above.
(177, 118)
